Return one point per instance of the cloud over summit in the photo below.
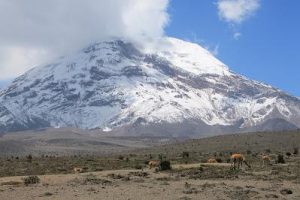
(34, 31)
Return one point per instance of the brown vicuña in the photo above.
(212, 160)
(238, 160)
(78, 169)
(266, 159)
(153, 164)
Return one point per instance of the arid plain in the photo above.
(125, 174)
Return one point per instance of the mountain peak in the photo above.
(119, 86)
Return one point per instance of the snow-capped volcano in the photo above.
(175, 88)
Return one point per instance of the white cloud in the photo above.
(35, 31)
(15, 60)
(236, 11)
(215, 50)
(237, 35)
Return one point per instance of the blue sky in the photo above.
(267, 50)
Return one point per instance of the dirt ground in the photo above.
(125, 175)
(180, 183)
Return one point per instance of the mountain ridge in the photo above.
(117, 87)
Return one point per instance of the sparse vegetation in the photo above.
(268, 151)
(165, 165)
(115, 176)
(140, 174)
(286, 192)
(29, 158)
(12, 183)
(93, 180)
(185, 154)
(208, 177)
(160, 157)
(296, 151)
(138, 166)
(280, 159)
(48, 194)
(31, 180)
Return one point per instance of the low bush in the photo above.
(296, 151)
(31, 180)
(121, 157)
(137, 166)
(286, 192)
(280, 159)
(47, 194)
(185, 154)
(29, 158)
(165, 165)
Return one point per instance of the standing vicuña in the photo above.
(153, 164)
(238, 160)
(266, 159)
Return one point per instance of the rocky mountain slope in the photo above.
(173, 89)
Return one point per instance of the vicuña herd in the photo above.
(237, 160)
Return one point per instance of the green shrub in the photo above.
(29, 158)
(31, 180)
(201, 169)
(47, 194)
(280, 159)
(160, 157)
(138, 166)
(165, 165)
(296, 151)
(185, 154)
(286, 192)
